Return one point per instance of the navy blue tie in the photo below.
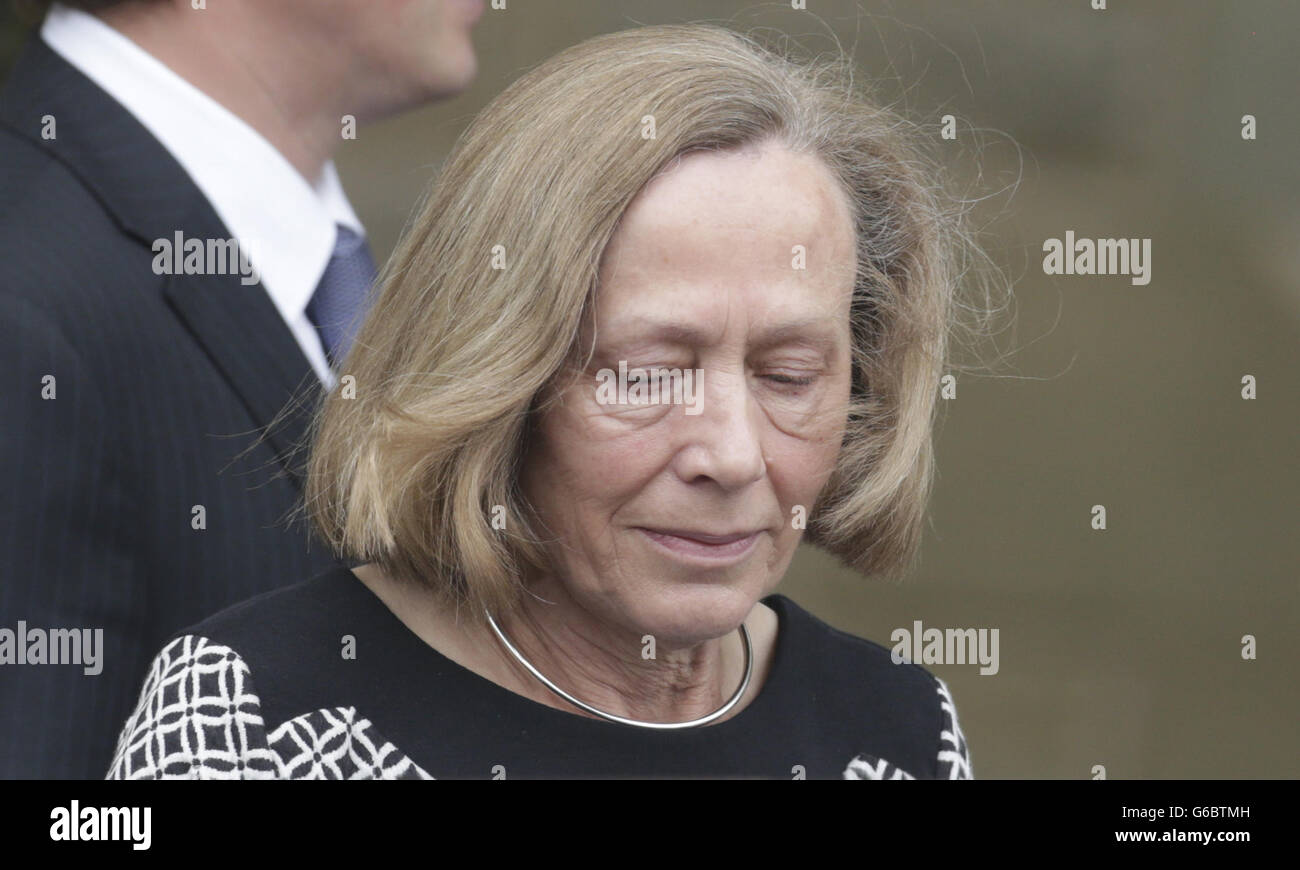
(338, 305)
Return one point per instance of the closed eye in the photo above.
(791, 380)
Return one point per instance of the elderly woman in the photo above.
(674, 301)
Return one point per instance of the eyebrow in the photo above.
(817, 332)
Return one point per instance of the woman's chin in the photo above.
(689, 617)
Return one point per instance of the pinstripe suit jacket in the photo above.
(128, 400)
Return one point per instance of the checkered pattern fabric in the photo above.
(954, 756)
(869, 767)
(199, 718)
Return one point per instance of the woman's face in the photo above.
(674, 519)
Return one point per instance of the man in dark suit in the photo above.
(178, 263)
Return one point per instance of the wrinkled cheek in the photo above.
(777, 556)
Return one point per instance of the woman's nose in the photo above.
(724, 439)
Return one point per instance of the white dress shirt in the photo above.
(286, 224)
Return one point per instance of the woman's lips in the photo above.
(698, 546)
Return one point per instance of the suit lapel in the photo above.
(245, 337)
(151, 197)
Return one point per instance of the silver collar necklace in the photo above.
(660, 726)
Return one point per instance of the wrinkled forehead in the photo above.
(765, 233)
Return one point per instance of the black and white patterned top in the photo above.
(322, 681)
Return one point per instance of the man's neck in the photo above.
(288, 105)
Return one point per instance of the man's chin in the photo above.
(455, 73)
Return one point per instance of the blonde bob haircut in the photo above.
(482, 305)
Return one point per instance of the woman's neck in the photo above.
(604, 666)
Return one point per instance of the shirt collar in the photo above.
(287, 225)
